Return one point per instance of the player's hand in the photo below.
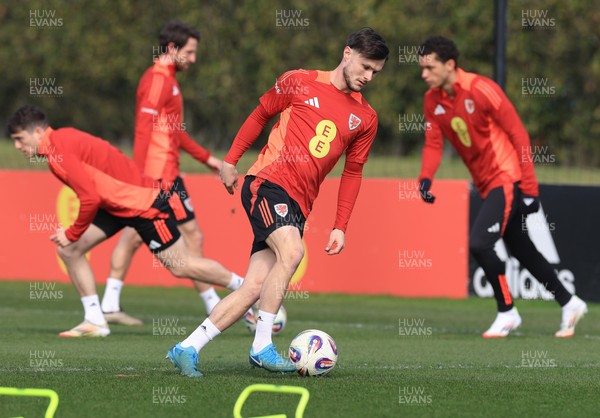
(424, 186)
(60, 238)
(337, 242)
(229, 176)
(214, 164)
(529, 204)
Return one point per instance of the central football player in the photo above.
(322, 115)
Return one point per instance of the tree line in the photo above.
(81, 61)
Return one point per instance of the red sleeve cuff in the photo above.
(71, 236)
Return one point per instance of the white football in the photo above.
(313, 352)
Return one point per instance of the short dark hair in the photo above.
(177, 32)
(369, 44)
(25, 118)
(444, 48)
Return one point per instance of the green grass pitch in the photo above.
(397, 358)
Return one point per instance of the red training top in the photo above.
(318, 123)
(159, 127)
(101, 176)
(484, 128)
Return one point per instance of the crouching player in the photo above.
(113, 194)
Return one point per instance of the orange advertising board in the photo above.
(395, 243)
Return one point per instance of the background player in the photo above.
(481, 123)
(322, 115)
(159, 134)
(113, 193)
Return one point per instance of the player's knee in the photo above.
(197, 239)
(68, 253)
(177, 269)
(252, 289)
(125, 250)
(479, 247)
(136, 242)
(293, 256)
(116, 265)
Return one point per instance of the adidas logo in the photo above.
(494, 228)
(528, 201)
(154, 245)
(314, 102)
(439, 110)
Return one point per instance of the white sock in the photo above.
(572, 302)
(236, 281)
(91, 307)
(112, 295)
(210, 299)
(204, 334)
(264, 328)
(510, 312)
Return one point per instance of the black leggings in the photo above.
(500, 217)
